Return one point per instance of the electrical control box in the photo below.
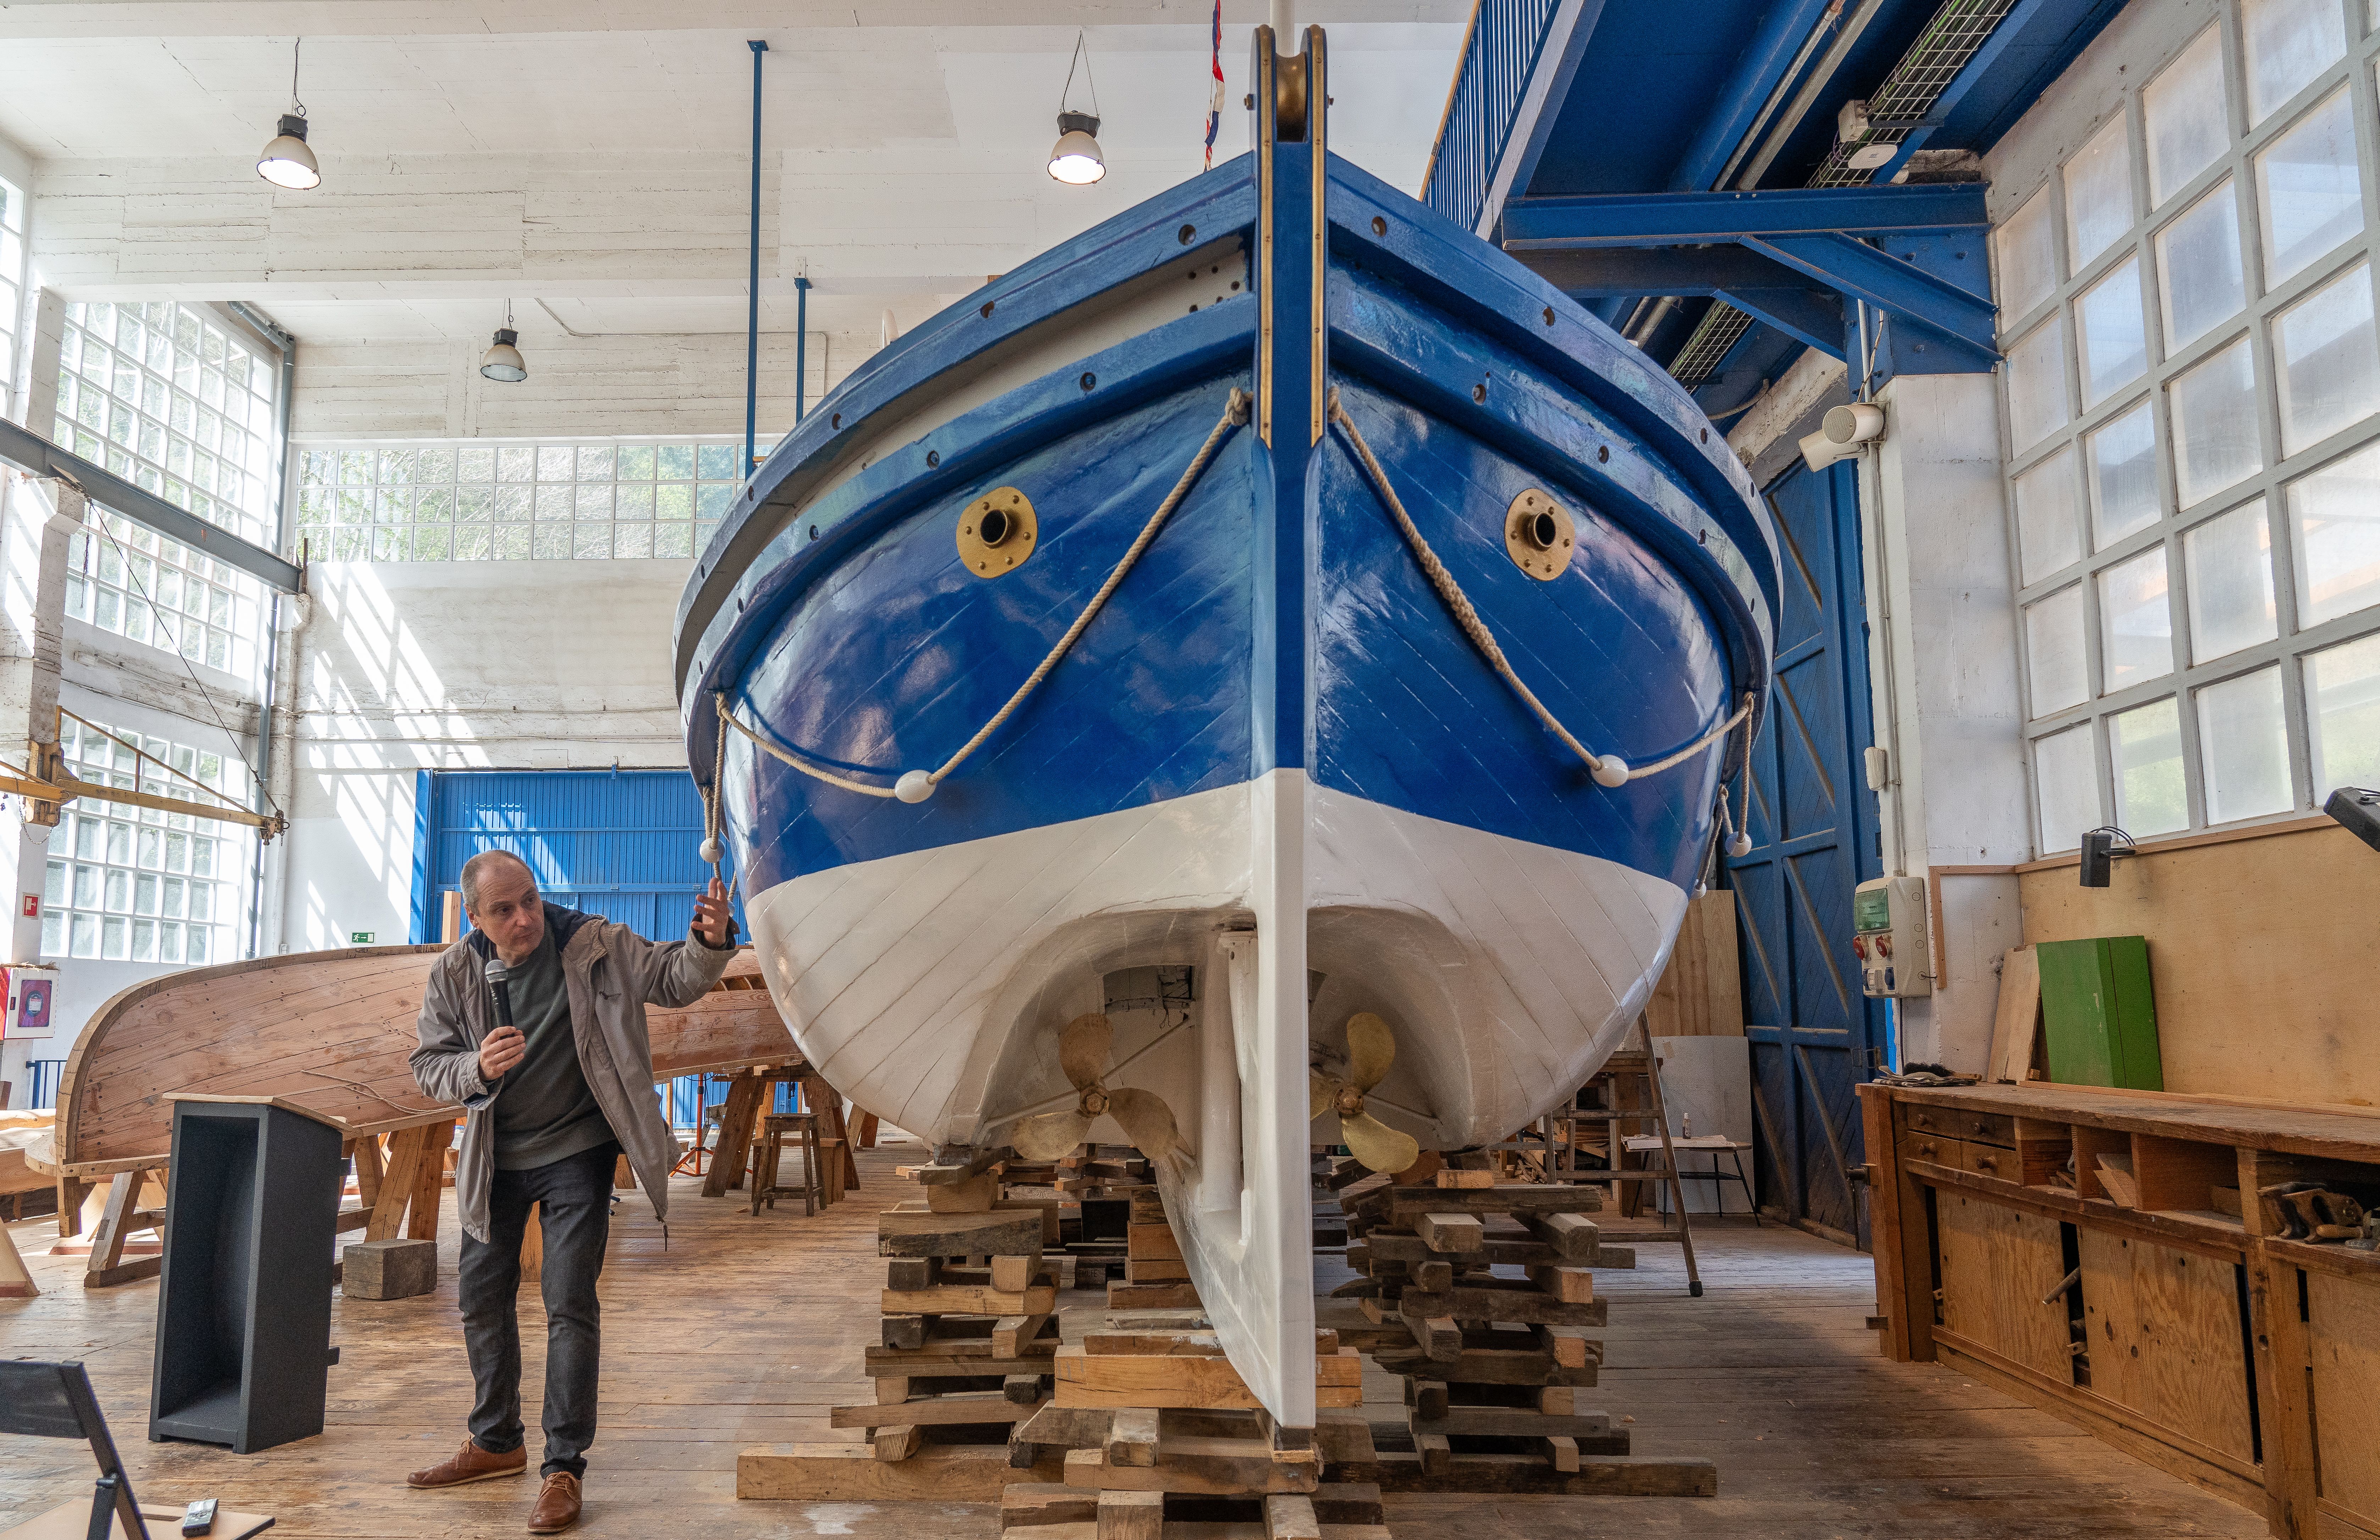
(1890, 938)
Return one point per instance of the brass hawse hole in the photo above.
(996, 532)
(1539, 535)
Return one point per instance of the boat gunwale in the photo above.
(1578, 348)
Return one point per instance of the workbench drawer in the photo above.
(1919, 1118)
(1989, 1161)
(1934, 1149)
(1986, 1128)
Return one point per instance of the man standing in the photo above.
(554, 1099)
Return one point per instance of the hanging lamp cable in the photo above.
(1082, 56)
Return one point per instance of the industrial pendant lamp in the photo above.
(1075, 158)
(286, 162)
(502, 359)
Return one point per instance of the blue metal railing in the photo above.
(44, 1090)
(1498, 54)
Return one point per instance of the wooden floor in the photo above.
(745, 1330)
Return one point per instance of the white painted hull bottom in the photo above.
(930, 988)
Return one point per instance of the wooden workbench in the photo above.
(2193, 1338)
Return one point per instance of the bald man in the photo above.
(554, 1099)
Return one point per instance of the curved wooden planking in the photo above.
(333, 1031)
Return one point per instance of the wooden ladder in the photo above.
(1635, 1070)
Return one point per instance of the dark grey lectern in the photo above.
(244, 1307)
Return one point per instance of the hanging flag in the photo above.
(1215, 102)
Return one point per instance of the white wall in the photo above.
(464, 665)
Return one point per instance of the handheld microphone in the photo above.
(497, 977)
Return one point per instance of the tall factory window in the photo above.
(12, 291)
(473, 500)
(173, 399)
(2193, 419)
(134, 884)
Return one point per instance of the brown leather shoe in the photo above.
(557, 1505)
(468, 1464)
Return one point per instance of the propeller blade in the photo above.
(1083, 1050)
(1146, 1121)
(1378, 1147)
(1049, 1135)
(1371, 1052)
(1320, 1091)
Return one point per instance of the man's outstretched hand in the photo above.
(713, 917)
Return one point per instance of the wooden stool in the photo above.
(767, 1150)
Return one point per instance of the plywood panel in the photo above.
(2165, 1338)
(2344, 1331)
(1997, 1262)
(2245, 937)
(1701, 992)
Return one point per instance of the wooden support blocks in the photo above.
(1129, 1515)
(1132, 1437)
(1016, 1274)
(1032, 1504)
(390, 1269)
(1187, 1381)
(917, 1232)
(1290, 1515)
(1570, 1285)
(1451, 1233)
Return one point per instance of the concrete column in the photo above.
(1942, 657)
(34, 545)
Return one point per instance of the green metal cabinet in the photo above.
(2098, 1014)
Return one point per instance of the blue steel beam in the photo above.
(1701, 218)
(1760, 76)
(1960, 321)
(1807, 311)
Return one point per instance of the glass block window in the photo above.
(171, 399)
(149, 589)
(2191, 400)
(473, 501)
(12, 289)
(130, 884)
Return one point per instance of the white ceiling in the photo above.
(905, 149)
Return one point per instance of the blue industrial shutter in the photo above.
(624, 844)
(1814, 827)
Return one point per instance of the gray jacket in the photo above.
(611, 974)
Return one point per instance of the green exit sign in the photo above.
(361, 937)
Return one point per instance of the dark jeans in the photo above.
(576, 1196)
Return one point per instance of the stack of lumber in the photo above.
(1155, 1278)
(969, 1316)
(1158, 1430)
(1493, 1363)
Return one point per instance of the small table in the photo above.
(769, 1149)
(1714, 1145)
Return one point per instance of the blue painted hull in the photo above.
(853, 635)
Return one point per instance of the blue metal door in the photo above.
(1815, 837)
(624, 844)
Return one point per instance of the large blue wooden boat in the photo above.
(1101, 693)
